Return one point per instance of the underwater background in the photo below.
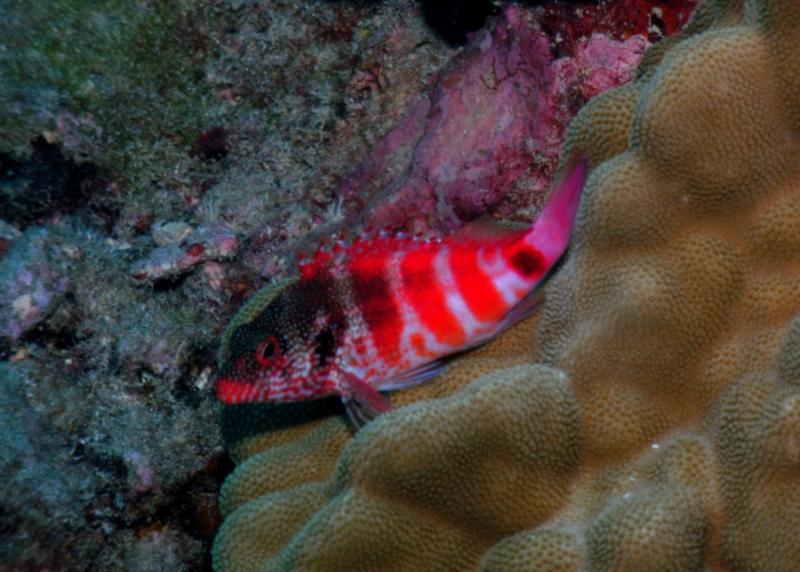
(162, 161)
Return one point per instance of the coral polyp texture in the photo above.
(650, 419)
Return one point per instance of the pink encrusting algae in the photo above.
(487, 134)
(381, 311)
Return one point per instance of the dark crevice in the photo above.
(59, 330)
(184, 388)
(191, 506)
(169, 284)
(47, 183)
(211, 145)
(453, 20)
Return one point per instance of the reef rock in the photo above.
(33, 280)
(491, 127)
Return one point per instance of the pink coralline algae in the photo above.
(600, 63)
(621, 19)
(201, 245)
(490, 127)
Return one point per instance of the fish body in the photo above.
(381, 312)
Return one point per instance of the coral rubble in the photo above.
(177, 256)
(653, 423)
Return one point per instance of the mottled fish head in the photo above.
(283, 345)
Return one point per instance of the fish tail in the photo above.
(544, 243)
(498, 283)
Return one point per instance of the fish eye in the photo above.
(267, 350)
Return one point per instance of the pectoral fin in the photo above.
(523, 309)
(414, 376)
(362, 401)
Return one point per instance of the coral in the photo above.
(163, 550)
(654, 424)
(126, 124)
(621, 19)
(106, 79)
(202, 110)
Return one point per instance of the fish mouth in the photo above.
(231, 391)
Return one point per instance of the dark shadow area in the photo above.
(237, 422)
(47, 182)
(453, 20)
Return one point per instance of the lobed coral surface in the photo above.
(649, 420)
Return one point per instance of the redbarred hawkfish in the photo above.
(381, 312)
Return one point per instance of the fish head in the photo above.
(283, 345)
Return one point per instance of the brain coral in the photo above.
(654, 422)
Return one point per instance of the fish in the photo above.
(384, 312)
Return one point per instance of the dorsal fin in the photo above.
(331, 251)
(310, 265)
(485, 228)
